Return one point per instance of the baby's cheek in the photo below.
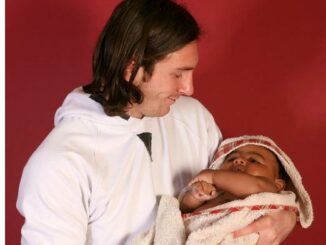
(256, 171)
(253, 170)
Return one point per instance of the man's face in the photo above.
(254, 160)
(171, 78)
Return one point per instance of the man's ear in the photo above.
(139, 75)
(128, 70)
(280, 184)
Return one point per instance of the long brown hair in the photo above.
(143, 31)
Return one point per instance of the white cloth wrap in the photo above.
(208, 228)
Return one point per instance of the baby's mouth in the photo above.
(238, 169)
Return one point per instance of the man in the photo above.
(128, 137)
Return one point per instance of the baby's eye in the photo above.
(252, 160)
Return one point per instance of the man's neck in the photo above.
(133, 111)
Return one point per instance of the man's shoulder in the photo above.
(188, 112)
(186, 103)
(188, 107)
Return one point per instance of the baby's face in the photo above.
(254, 160)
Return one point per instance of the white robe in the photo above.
(92, 180)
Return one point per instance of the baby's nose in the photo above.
(239, 161)
(239, 165)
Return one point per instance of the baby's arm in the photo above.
(237, 183)
(198, 193)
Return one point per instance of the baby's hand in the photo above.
(203, 191)
(205, 175)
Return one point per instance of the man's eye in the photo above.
(178, 75)
(231, 159)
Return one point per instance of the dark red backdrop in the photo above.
(262, 71)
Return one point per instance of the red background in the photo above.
(262, 71)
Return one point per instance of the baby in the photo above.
(249, 177)
(246, 170)
(246, 180)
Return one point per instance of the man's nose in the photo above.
(186, 86)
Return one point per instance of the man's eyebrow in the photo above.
(185, 68)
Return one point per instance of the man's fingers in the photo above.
(257, 226)
(264, 238)
(272, 228)
(246, 230)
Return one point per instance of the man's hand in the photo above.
(272, 228)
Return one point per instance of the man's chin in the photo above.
(160, 113)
